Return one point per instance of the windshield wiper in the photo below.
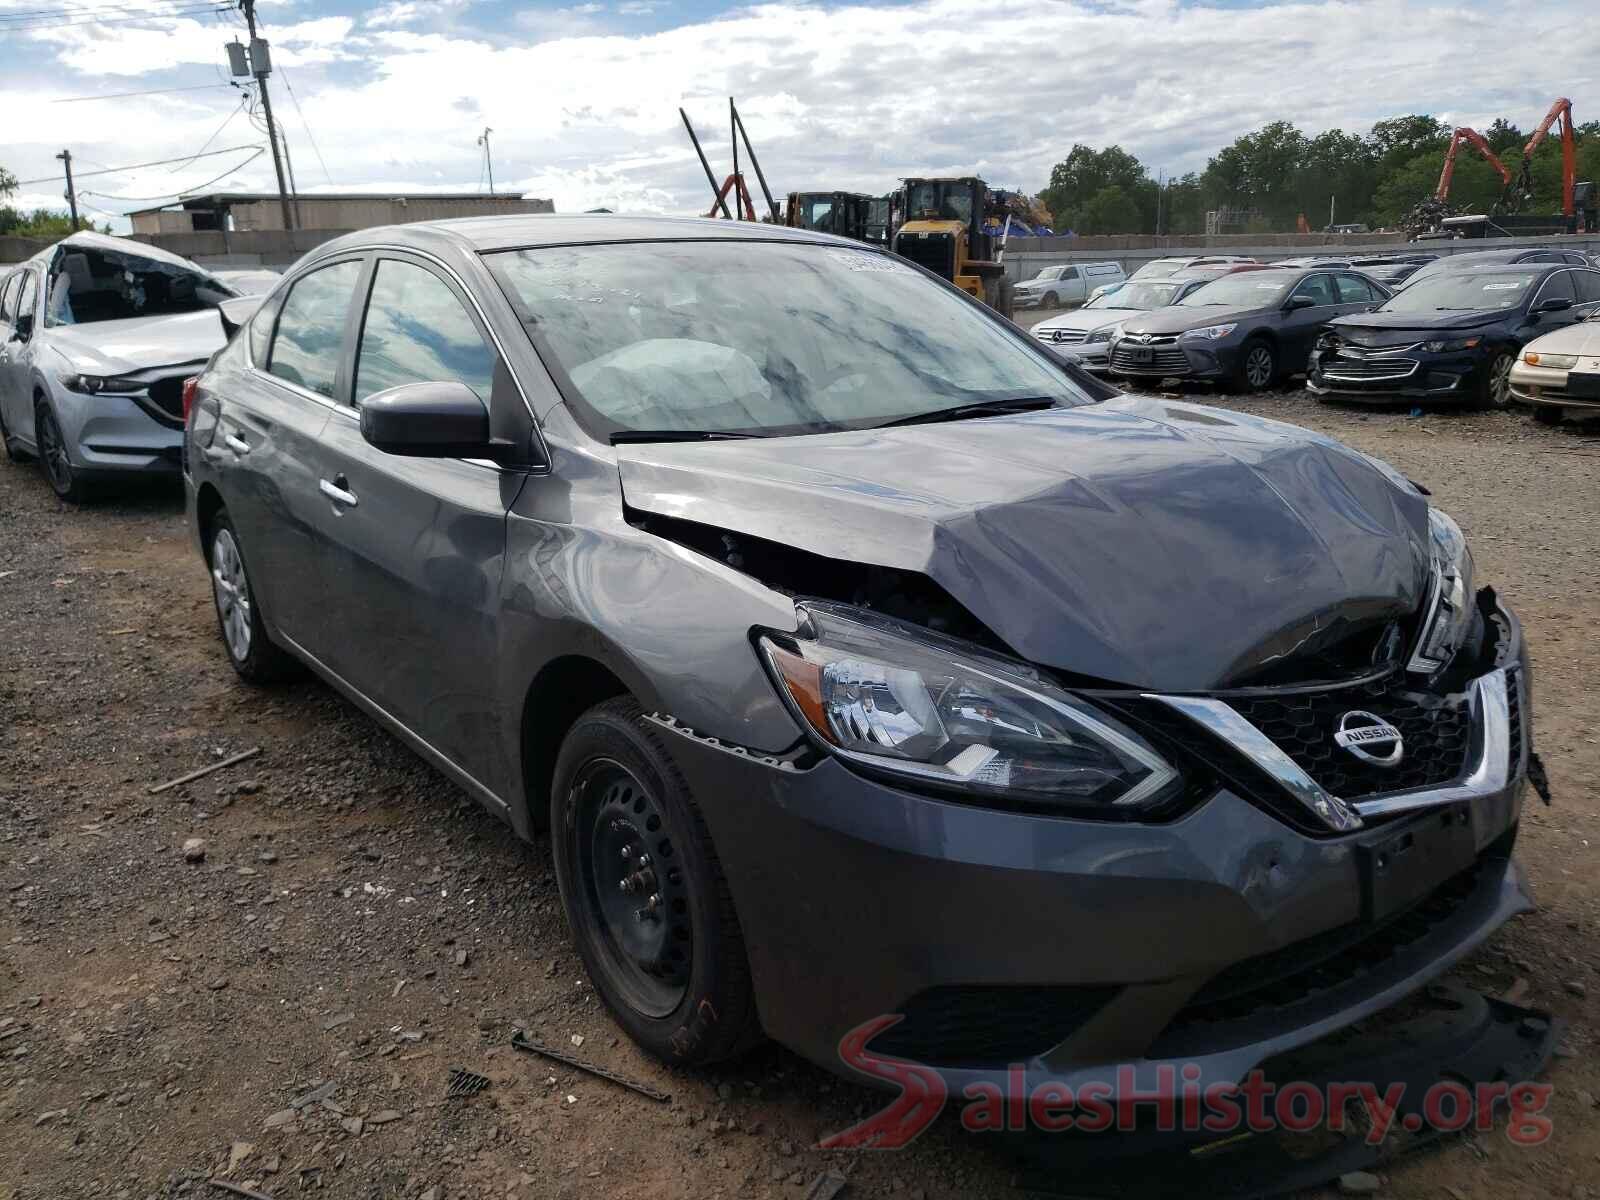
(978, 408)
(623, 436)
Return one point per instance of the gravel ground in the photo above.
(356, 921)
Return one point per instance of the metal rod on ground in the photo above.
(203, 771)
(777, 217)
(710, 178)
(249, 7)
(521, 1041)
(72, 195)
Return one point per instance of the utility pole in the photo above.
(488, 159)
(261, 66)
(72, 195)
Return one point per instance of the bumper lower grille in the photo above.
(988, 1026)
(1167, 359)
(1514, 713)
(1369, 369)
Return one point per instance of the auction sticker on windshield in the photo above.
(852, 260)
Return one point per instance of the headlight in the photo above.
(1210, 333)
(1449, 615)
(1439, 347)
(942, 711)
(1104, 334)
(93, 385)
(1558, 362)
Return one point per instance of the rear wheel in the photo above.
(1257, 366)
(253, 654)
(1495, 391)
(644, 892)
(1546, 415)
(53, 460)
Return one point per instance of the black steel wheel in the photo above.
(53, 460)
(644, 892)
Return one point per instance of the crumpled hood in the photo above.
(1381, 328)
(1138, 541)
(138, 343)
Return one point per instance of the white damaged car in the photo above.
(97, 335)
(1559, 373)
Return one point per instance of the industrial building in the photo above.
(242, 212)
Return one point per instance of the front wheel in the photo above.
(53, 460)
(1495, 393)
(1257, 367)
(644, 892)
(1051, 300)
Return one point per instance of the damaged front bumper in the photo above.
(1408, 373)
(1234, 933)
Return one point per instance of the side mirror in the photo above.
(22, 330)
(430, 420)
(1554, 304)
(1299, 302)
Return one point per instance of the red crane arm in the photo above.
(1561, 111)
(1474, 139)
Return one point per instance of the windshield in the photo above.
(89, 284)
(1247, 289)
(1136, 295)
(763, 337)
(1460, 291)
(939, 202)
(1049, 273)
(1158, 268)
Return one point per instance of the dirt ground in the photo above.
(356, 921)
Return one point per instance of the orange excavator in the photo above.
(1470, 137)
(1522, 191)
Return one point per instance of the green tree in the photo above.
(1112, 209)
(8, 182)
(1260, 171)
(1084, 174)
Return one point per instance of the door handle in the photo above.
(212, 453)
(237, 444)
(338, 491)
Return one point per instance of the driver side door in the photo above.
(1300, 327)
(16, 357)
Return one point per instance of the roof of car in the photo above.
(560, 229)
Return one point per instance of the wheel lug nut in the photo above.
(654, 902)
(644, 860)
(627, 852)
(625, 884)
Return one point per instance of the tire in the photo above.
(59, 473)
(254, 655)
(1546, 414)
(1051, 300)
(1257, 368)
(1494, 393)
(666, 954)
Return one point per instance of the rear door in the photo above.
(9, 286)
(414, 546)
(1561, 285)
(265, 449)
(17, 354)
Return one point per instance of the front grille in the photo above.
(1436, 731)
(1061, 337)
(1281, 978)
(982, 1026)
(167, 395)
(935, 251)
(1168, 360)
(1369, 368)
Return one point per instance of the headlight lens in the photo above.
(94, 385)
(1210, 333)
(1558, 362)
(1449, 614)
(941, 711)
(1104, 334)
(1442, 345)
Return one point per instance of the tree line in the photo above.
(1270, 177)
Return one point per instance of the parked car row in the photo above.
(779, 583)
(1408, 326)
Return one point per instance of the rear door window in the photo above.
(417, 330)
(1355, 290)
(8, 298)
(310, 333)
(1557, 287)
(26, 297)
(1588, 286)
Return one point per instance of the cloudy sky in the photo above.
(583, 96)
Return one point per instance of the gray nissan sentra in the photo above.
(861, 657)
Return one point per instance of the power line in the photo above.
(199, 87)
(195, 187)
(124, 19)
(310, 137)
(160, 162)
(206, 145)
(101, 11)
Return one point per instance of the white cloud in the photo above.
(850, 97)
